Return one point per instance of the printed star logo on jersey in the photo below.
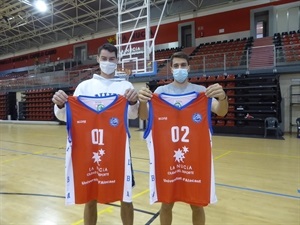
(179, 154)
(185, 149)
(97, 156)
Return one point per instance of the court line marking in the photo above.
(258, 191)
(215, 158)
(154, 215)
(24, 143)
(106, 210)
(26, 154)
(222, 155)
(111, 207)
(31, 194)
(63, 197)
(138, 210)
(140, 158)
(48, 156)
(262, 154)
(266, 154)
(147, 190)
(152, 218)
(146, 172)
(141, 171)
(21, 157)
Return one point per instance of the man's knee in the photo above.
(167, 207)
(197, 208)
(91, 204)
(127, 205)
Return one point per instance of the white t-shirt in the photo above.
(100, 86)
(172, 89)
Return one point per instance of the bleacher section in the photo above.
(14, 75)
(251, 98)
(216, 55)
(37, 105)
(162, 56)
(291, 46)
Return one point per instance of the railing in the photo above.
(221, 63)
(57, 79)
(269, 58)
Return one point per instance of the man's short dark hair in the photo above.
(109, 47)
(181, 55)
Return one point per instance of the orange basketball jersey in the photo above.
(98, 165)
(179, 142)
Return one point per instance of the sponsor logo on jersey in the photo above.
(81, 121)
(100, 107)
(163, 118)
(114, 121)
(178, 104)
(197, 117)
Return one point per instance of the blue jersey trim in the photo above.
(150, 120)
(97, 97)
(209, 115)
(178, 95)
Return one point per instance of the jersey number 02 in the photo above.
(180, 133)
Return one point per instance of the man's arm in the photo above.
(144, 96)
(220, 106)
(132, 96)
(133, 110)
(60, 113)
(59, 99)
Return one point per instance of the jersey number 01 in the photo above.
(97, 136)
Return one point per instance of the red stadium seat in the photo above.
(220, 123)
(230, 123)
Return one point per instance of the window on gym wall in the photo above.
(260, 29)
(80, 52)
(260, 25)
(186, 34)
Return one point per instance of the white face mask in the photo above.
(180, 75)
(107, 67)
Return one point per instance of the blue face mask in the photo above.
(180, 75)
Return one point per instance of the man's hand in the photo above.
(59, 98)
(144, 95)
(215, 91)
(131, 95)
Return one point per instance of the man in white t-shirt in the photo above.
(180, 67)
(100, 85)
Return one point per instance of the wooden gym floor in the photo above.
(258, 181)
